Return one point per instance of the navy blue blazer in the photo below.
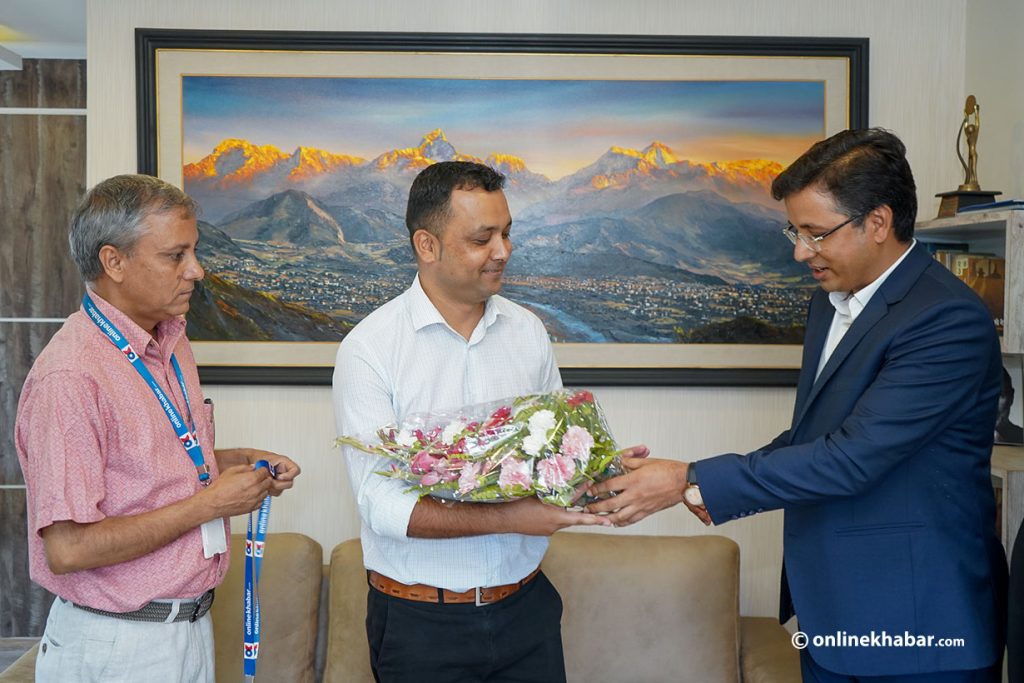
(885, 479)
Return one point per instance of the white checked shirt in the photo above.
(404, 358)
(848, 306)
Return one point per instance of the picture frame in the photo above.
(163, 56)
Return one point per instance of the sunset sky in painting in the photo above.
(555, 126)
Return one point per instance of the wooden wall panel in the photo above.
(43, 169)
(23, 604)
(47, 83)
(42, 177)
(20, 343)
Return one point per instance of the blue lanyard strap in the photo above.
(253, 562)
(187, 436)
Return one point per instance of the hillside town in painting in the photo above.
(639, 244)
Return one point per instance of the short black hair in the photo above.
(862, 170)
(431, 192)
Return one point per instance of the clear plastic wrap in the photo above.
(546, 445)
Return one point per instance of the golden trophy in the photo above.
(969, 193)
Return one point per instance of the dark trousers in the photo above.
(813, 673)
(516, 640)
(1015, 627)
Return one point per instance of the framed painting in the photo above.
(638, 175)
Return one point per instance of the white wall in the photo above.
(917, 76)
(995, 75)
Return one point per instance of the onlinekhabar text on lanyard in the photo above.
(187, 437)
(190, 442)
(253, 562)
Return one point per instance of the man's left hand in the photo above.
(285, 469)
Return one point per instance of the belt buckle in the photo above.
(479, 602)
(198, 610)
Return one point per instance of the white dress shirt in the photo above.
(404, 358)
(848, 306)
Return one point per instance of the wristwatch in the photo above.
(691, 494)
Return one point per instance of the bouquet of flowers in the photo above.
(547, 445)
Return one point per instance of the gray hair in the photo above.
(113, 213)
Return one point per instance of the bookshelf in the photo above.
(1001, 233)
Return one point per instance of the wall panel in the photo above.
(23, 604)
(57, 83)
(20, 343)
(42, 167)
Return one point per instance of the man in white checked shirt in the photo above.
(450, 340)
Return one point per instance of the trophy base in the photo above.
(960, 199)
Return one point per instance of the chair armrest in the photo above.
(23, 670)
(766, 653)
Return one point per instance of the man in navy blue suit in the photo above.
(884, 474)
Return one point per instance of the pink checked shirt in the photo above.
(94, 443)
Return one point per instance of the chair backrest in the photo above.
(290, 579)
(348, 656)
(635, 608)
(647, 608)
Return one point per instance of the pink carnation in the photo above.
(576, 443)
(515, 472)
(449, 469)
(430, 478)
(423, 462)
(468, 480)
(554, 472)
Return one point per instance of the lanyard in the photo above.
(188, 438)
(253, 562)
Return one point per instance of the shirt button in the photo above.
(43, 648)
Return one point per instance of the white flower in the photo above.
(533, 443)
(452, 430)
(542, 422)
(405, 438)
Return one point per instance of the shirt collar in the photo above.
(424, 313)
(851, 305)
(168, 332)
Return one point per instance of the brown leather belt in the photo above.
(421, 593)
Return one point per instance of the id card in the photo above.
(215, 541)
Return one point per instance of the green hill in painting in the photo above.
(223, 311)
(742, 330)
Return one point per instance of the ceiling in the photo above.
(41, 29)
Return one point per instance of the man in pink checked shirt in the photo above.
(127, 499)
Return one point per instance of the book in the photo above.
(986, 275)
(935, 246)
(945, 252)
(994, 206)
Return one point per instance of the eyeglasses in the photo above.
(813, 243)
